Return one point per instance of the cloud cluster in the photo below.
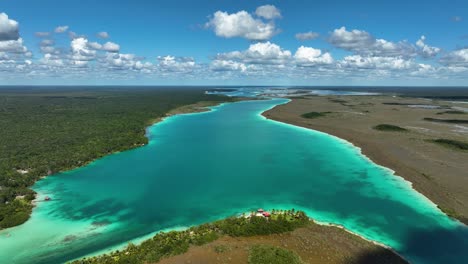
(269, 58)
(108, 46)
(363, 43)
(426, 50)
(13, 52)
(63, 54)
(258, 53)
(245, 25)
(119, 61)
(389, 63)
(172, 64)
(457, 58)
(227, 65)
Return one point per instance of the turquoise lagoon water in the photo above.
(206, 166)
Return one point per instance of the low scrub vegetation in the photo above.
(451, 143)
(266, 254)
(388, 127)
(312, 115)
(452, 121)
(453, 112)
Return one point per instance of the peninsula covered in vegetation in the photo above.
(258, 233)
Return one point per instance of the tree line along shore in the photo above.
(49, 130)
(218, 242)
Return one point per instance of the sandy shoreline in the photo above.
(316, 243)
(438, 173)
(356, 234)
(205, 107)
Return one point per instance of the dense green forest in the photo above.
(177, 242)
(47, 130)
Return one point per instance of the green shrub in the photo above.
(312, 115)
(388, 127)
(14, 213)
(455, 112)
(451, 143)
(452, 121)
(266, 254)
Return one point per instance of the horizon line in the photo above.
(211, 85)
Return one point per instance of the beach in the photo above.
(437, 171)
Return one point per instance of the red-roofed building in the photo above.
(266, 214)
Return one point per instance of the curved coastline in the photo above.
(209, 109)
(213, 108)
(140, 239)
(368, 155)
(360, 151)
(360, 236)
(172, 113)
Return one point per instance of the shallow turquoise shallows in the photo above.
(206, 166)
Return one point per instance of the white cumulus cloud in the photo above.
(259, 53)
(426, 50)
(307, 35)
(361, 42)
(307, 56)
(81, 50)
(61, 29)
(227, 65)
(173, 64)
(368, 62)
(103, 35)
(51, 60)
(456, 58)
(241, 24)
(9, 28)
(268, 12)
(94, 45)
(13, 46)
(111, 47)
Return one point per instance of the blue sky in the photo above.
(234, 42)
